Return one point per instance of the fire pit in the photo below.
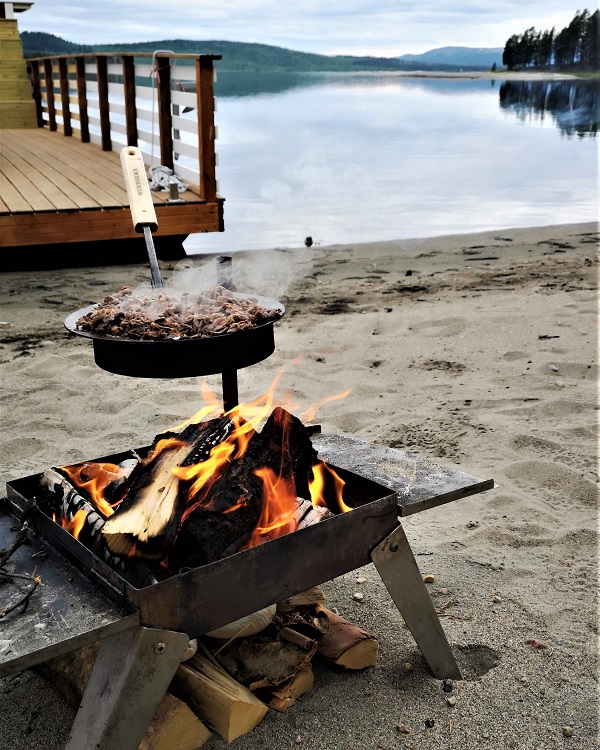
(147, 623)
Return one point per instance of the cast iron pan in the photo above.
(182, 358)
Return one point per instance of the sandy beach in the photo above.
(478, 351)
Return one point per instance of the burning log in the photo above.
(146, 522)
(227, 707)
(278, 460)
(86, 523)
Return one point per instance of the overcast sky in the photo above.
(355, 27)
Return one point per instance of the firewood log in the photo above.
(174, 726)
(347, 645)
(146, 522)
(226, 706)
(284, 696)
(64, 501)
(268, 659)
(223, 524)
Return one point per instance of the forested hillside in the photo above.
(576, 47)
(236, 55)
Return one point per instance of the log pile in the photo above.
(228, 686)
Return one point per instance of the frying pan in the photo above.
(181, 358)
(175, 358)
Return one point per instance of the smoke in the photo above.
(269, 273)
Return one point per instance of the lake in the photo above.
(362, 157)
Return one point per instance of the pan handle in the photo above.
(138, 190)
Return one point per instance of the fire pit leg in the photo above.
(398, 569)
(132, 673)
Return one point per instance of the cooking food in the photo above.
(184, 315)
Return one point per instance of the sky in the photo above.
(384, 28)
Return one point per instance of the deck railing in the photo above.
(161, 102)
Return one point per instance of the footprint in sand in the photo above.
(560, 485)
(437, 328)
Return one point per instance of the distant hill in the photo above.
(465, 57)
(238, 55)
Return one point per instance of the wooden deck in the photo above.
(55, 189)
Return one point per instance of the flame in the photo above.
(278, 508)
(95, 478)
(75, 525)
(321, 474)
(280, 502)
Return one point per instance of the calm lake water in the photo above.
(355, 158)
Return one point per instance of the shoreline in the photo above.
(479, 351)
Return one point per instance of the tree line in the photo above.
(573, 48)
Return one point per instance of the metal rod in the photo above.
(230, 389)
(157, 282)
(225, 271)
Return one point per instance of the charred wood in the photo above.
(146, 522)
(223, 523)
(63, 500)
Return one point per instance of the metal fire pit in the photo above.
(146, 630)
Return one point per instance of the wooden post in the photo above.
(64, 95)
(102, 76)
(206, 128)
(49, 80)
(130, 107)
(84, 123)
(165, 120)
(37, 94)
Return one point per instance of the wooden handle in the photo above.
(138, 190)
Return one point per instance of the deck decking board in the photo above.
(30, 192)
(39, 194)
(13, 198)
(40, 161)
(58, 190)
(89, 183)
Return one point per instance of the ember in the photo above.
(213, 312)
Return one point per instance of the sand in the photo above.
(479, 351)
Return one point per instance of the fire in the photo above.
(95, 478)
(322, 474)
(75, 525)
(279, 505)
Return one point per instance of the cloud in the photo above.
(377, 27)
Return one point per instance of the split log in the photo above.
(223, 523)
(225, 705)
(284, 696)
(174, 726)
(347, 645)
(64, 501)
(146, 522)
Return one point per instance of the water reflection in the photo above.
(574, 106)
(355, 158)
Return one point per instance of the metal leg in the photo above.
(398, 569)
(230, 389)
(132, 673)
